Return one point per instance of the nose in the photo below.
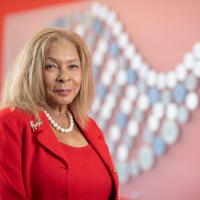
(63, 77)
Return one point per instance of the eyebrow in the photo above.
(70, 61)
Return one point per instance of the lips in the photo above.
(63, 92)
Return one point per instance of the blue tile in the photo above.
(154, 95)
(159, 146)
(101, 90)
(128, 141)
(121, 119)
(96, 71)
(60, 22)
(132, 76)
(179, 93)
(113, 49)
(97, 26)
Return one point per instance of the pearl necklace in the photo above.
(59, 128)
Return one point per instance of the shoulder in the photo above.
(12, 112)
(92, 125)
(13, 123)
(12, 116)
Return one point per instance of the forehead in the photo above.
(62, 48)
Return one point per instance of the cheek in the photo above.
(78, 79)
(48, 80)
(77, 83)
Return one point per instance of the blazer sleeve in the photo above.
(11, 157)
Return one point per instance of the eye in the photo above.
(49, 66)
(74, 67)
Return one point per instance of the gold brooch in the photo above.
(36, 124)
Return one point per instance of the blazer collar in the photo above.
(46, 137)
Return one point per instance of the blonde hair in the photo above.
(24, 86)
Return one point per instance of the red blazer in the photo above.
(33, 164)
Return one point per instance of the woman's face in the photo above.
(62, 73)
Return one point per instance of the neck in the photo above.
(57, 110)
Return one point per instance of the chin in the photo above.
(64, 101)
(61, 101)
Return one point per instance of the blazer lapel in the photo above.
(46, 137)
(98, 144)
(95, 138)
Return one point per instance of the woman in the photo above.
(49, 148)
